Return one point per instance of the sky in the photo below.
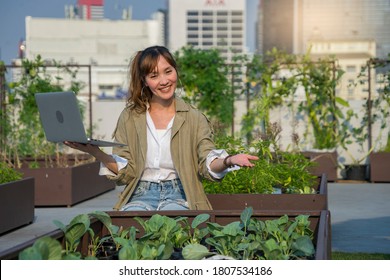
(14, 12)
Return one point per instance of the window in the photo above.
(222, 35)
(193, 43)
(222, 13)
(207, 28)
(351, 68)
(106, 87)
(350, 87)
(207, 20)
(192, 13)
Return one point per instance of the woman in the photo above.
(169, 143)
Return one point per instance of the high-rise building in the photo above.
(208, 24)
(86, 9)
(277, 24)
(91, 9)
(292, 24)
(352, 31)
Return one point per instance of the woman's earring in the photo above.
(142, 92)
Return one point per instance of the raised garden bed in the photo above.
(285, 202)
(319, 224)
(326, 163)
(379, 167)
(66, 186)
(16, 204)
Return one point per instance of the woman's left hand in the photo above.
(243, 160)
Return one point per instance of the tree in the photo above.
(204, 78)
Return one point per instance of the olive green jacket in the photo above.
(191, 142)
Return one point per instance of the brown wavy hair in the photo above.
(143, 63)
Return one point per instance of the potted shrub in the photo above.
(307, 89)
(357, 168)
(325, 112)
(60, 178)
(16, 199)
(356, 146)
(157, 235)
(372, 159)
(380, 112)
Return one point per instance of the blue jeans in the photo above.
(166, 195)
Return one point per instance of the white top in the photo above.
(159, 165)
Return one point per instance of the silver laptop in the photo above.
(61, 119)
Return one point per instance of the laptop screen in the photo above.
(60, 117)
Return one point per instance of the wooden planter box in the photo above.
(16, 204)
(319, 223)
(356, 172)
(380, 167)
(280, 202)
(66, 186)
(326, 163)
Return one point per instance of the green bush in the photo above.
(287, 170)
(8, 174)
(290, 172)
(24, 136)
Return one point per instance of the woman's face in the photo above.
(162, 80)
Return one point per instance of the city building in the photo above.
(212, 24)
(292, 24)
(106, 45)
(275, 20)
(208, 24)
(345, 29)
(352, 57)
(345, 20)
(86, 9)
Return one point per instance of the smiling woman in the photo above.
(169, 144)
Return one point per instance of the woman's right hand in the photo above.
(96, 152)
(86, 148)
